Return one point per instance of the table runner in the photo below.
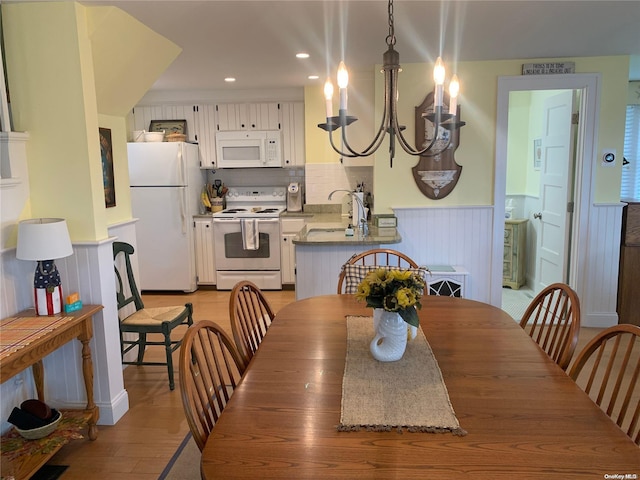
(19, 332)
(408, 394)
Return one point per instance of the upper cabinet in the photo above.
(292, 119)
(247, 116)
(142, 116)
(204, 120)
(200, 119)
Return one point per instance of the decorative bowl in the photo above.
(40, 432)
(154, 136)
(137, 136)
(176, 137)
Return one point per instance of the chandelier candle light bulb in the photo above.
(328, 95)
(438, 77)
(454, 89)
(343, 82)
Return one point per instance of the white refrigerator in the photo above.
(166, 181)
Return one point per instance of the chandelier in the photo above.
(443, 122)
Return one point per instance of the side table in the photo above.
(25, 339)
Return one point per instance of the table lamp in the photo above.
(44, 240)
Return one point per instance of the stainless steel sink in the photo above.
(326, 234)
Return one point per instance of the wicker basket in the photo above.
(40, 432)
(176, 137)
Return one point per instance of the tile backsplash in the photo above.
(258, 177)
(319, 179)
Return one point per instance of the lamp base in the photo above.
(47, 289)
(48, 303)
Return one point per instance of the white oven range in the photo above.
(247, 237)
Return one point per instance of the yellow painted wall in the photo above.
(517, 151)
(53, 98)
(67, 63)
(476, 153)
(128, 57)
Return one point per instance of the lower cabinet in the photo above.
(205, 255)
(447, 280)
(289, 228)
(514, 273)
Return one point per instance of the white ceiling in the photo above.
(256, 41)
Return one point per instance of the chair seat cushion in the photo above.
(154, 316)
(354, 274)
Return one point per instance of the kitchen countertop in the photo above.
(326, 227)
(329, 229)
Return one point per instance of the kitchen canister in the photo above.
(217, 204)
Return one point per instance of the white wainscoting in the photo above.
(599, 294)
(462, 236)
(89, 271)
(318, 267)
(451, 236)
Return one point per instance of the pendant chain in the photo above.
(391, 38)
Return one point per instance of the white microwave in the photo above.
(249, 149)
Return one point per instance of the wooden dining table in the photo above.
(524, 417)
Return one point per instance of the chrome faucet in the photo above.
(364, 226)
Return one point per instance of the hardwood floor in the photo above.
(143, 441)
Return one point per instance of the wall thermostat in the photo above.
(608, 158)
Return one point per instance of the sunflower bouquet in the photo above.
(394, 291)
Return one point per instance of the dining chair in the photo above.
(251, 315)
(552, 320)
(357, 267)
(210, 369)
(143, 321)
(607, 369)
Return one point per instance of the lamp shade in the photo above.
(43, 239)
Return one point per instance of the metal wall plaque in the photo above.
(548, 68)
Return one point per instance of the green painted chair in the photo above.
(143, 321)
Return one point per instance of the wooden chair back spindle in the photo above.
(210, 369)
(552, 320)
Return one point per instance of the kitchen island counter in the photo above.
(321, 248)
(329, 233)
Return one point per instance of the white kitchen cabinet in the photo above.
(201, 122)
(289, 228)
(205, 254)
(247, 116)
(142, 116)
(292, 121)
(205, 121)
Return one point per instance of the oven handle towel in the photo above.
(250, 233)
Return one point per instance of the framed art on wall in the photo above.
(168, 126)
(537, 153)
(106, 154)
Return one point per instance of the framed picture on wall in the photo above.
(106, 154)
(168, 126)
(537, 153)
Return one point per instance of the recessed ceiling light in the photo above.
(229, 79)
(313, 77)
(302, 55)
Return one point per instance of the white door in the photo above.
(555, 192)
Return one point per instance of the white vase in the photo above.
(390, 341)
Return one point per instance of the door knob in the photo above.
(538, 215)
